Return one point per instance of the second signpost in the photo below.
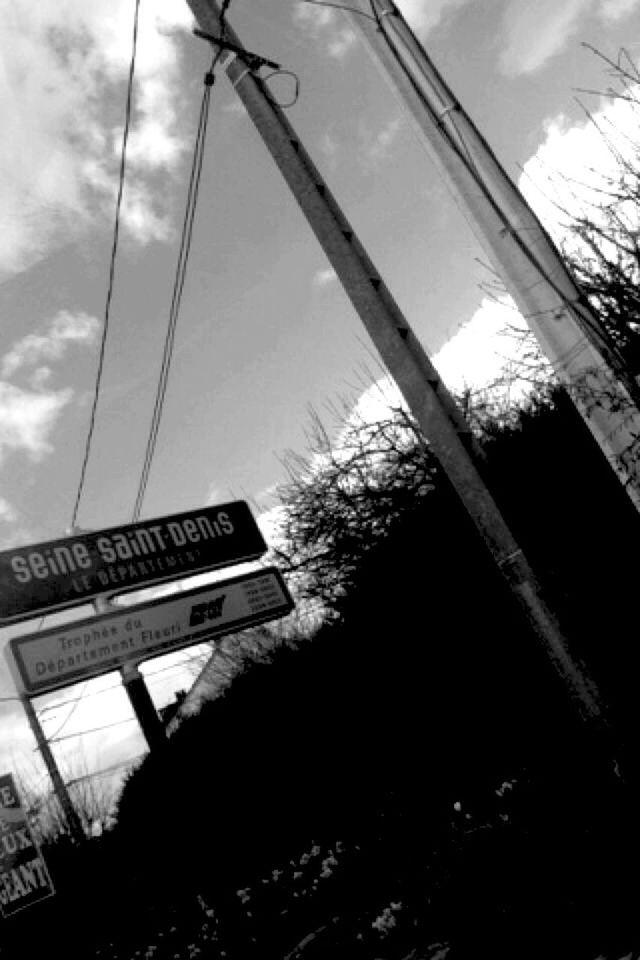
(100, 565)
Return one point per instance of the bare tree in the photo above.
(343, 498)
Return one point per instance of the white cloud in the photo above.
(29, 414)
(51, 344)
(424, 15)
(313, 15)
(271, 524)
(341, 43)
(566, 175)
(376, 402)
(483, 349)
(324, 277)
(215, 495)
(63, 68)
(377, 147)
(7, 513)
(235, 108)
(475, 357)
(27, 419)
(16, 740)
(329, 147)
(532, 33)
(326, 24)
(617, 9)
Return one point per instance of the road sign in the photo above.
(24, 878)
(64, 573)
(87, 648)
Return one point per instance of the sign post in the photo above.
(59, 786)
(95, 566)
(24, 878)
(143, 706)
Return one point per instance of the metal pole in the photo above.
(406, 360)
(567, 329)
(143, 706)
(136, 689)
(59, 786)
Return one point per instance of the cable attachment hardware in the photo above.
(253, 60)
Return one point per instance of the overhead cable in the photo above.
(178, 286)
(75, 706)
(87, 696)
(112, 265)
(83, 733)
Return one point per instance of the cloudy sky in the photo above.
(264, 331)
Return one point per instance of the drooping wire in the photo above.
(178, 287)
(64, 703)
(296, 87)
(83, 733)
(112, 264)
(75, 706)
(177, 292)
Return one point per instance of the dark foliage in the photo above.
(413, 776)
(426, 689)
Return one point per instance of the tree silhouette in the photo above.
(422, 728)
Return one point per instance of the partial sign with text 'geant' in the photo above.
(64, 573)
(55, 658)
(24, 878)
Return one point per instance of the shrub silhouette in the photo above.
(428, 689)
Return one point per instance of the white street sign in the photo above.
(86, 648)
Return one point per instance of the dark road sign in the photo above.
(64, 573)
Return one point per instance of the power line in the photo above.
(86, 696)
(112, 265)
(75, 706)
(107, 309)
(178, 286)
(82, 733)
(181, 268)
(185, 245)
(195, 658)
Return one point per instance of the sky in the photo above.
(265, 333)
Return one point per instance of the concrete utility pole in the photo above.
(425, 394)
(567, 329)
(59, 786)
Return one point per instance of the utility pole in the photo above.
(566, 327)
(427, 397)
(59, 786)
